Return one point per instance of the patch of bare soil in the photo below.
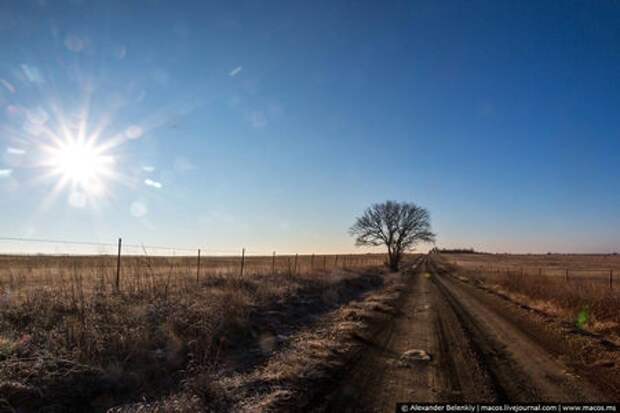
(418, 356)
(590, 355)
(452, 341)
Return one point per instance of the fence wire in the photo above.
(41, 261)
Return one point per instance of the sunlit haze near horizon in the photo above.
(272, 125)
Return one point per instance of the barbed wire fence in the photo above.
(125, 260)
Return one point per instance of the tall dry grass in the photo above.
(70, 341)
(540, 281)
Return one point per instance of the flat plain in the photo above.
(306, 333)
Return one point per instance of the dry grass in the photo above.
(580, 267)
(540, 282)
(70, 342)
(291, 379)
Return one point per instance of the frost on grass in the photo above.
(70, 339)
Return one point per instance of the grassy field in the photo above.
(175, 339)
(575, 287)
(580, 267)
(20, 272)
(70, 341)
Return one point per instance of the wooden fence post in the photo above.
(312, 262)
(242, 261)
(273, 263)
(118, 265)
(336, 262)
(198, 266)
(324, 262)
(295, 267)
(567, 274)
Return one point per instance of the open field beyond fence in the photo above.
(578, 268)
(18, 272)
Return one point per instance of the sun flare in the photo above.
(82, 166)
(81, 163)
(78, 156)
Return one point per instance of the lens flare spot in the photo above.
(138, 209)
(152, 183)
(134, 132)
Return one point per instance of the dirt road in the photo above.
(482, 349)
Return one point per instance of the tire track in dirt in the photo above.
(520, 369)
(478, 355)
(368, 369)
(379, 379)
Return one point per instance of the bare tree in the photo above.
(398, 226)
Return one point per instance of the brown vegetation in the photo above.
(574, 287)
(70, 342)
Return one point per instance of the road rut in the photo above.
(479, 353)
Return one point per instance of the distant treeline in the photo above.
(454, 251)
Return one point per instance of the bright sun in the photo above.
(79, 158)
(82, 166)
(80, 163)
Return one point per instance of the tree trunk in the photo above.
(394, 261)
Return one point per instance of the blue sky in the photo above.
(271, 125)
